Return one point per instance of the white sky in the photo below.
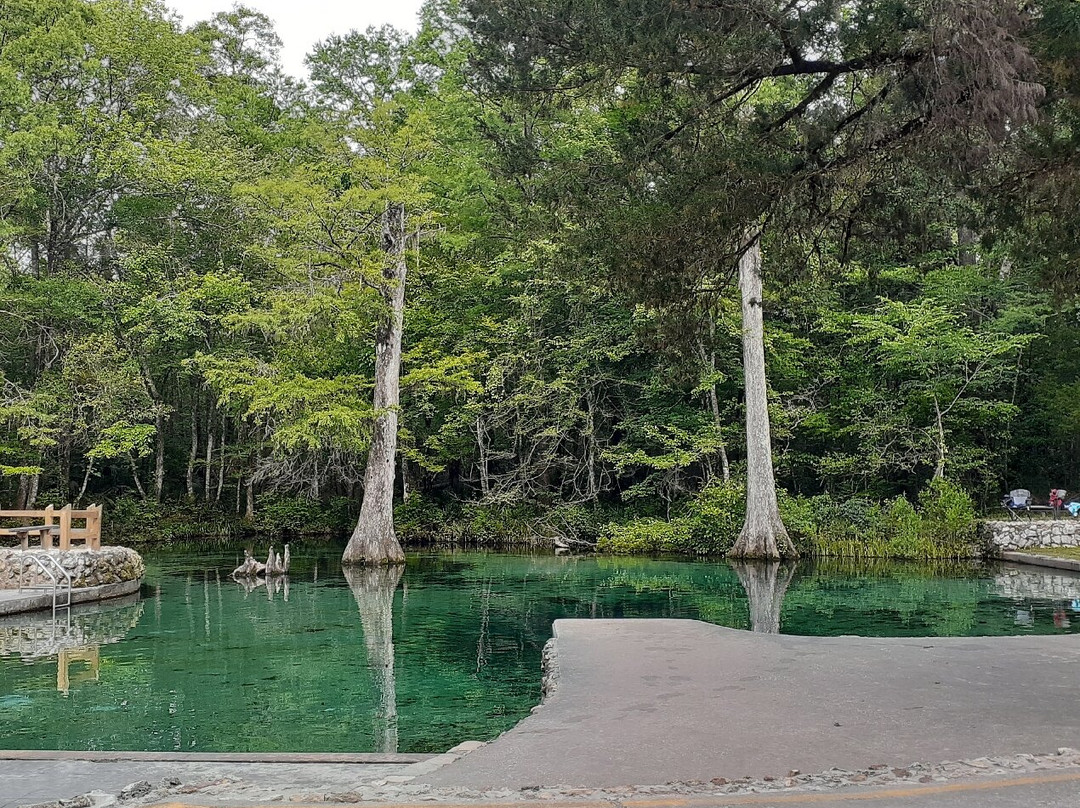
(302, 23)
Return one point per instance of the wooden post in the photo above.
(46, 535)
(65, 528)
(93, 527)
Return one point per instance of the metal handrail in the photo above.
(40, 558)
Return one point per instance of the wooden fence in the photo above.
(53, 522)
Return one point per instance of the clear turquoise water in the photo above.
(198, 663)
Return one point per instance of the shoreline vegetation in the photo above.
(941, 525)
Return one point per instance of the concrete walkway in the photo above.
(653, 701)
(1046, 791)
(1037, 560)
(27, 782)
(16, 601)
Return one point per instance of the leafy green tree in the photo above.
(939, 366)
(722, 123)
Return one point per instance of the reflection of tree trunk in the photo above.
(373, 588)
(765, 585)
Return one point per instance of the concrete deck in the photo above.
(1037, 560)
(653, 701)
(14, 601)
(26, 782)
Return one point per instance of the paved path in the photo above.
(1038, 560)
(653, 701)
(1050, 791)
(24, 782)
(15, 601)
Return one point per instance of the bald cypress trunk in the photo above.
(374, 540)
(763, 534)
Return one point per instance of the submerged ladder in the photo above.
(59, 578)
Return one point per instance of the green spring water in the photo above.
(449, 652)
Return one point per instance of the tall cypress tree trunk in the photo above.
(31, 496)
(159, 457)
(708, 361)
(189, 477)
(374, 540)
(221, 460)
(763, 534)
(159, 430)
(207, 470)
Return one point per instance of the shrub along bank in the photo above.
(940, 524)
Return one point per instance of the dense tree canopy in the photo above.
(195, 261)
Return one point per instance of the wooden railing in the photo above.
(50, 522)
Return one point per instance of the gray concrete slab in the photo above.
(1037, 560)
(1045, 790)
(16, 601)
(25, 782)
(653, 701)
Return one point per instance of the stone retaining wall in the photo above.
(1020, 534)
(109, 565)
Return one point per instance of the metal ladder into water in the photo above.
(59, 577)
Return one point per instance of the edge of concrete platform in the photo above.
(1070, 564)
(43, 601)
(217, 757)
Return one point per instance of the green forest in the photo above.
(688, 276)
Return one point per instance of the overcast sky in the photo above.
(302, 23)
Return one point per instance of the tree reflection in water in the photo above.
(373, 588)
(277, 584)
(766, 584)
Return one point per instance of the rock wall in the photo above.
(109, 565)
(1020, 534)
